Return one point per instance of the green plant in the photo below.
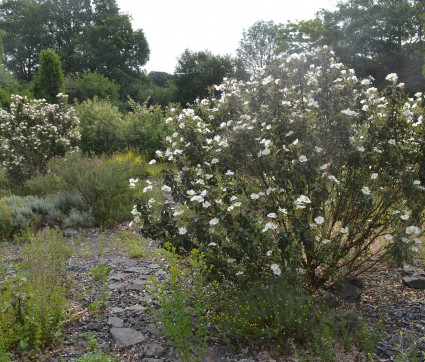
(102, 182)
(50, 80)
(93, 353)
(305, 166)
(367, 338)
(184, 301)
(408, 349)
(271, 313)
(33, 295)
(101, 272)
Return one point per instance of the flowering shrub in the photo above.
(305, 167)
(32, 133)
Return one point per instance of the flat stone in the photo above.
(129, 262)
(118, 277)
(216, 354)
(115, 285)
(136, 307)
(140, 281)
(95, 326)
(414, 281)
(153, 266)
(127, 337)
(135, 287)
(153, 330)
(116, 322)
(133, 269)
(407, 271)
(152, 350)
(117, 310)
(351, 292)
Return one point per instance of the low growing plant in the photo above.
(185, 300)
(33, 296)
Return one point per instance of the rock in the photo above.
(68, 232)
(136, 307)
(115, 285)
(328, 299)
(216, 354)
(117, 310)
(153, 266)
(117, 277)
(116, 322)
(407, 271)
(133, 269)
(152, 350)
(414, 281)
(153, 330)
(135, 287)
(95, 326)
(127, 337)
(351, 291)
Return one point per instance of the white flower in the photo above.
(254, 196)
(191, 192)
(212, 244)
(317, 149)
(303, 199)
(319, 220)
(361, 149)
(214, 160)
(238, 204)
(214, 221)
(272, 215)
(182, 230)
(333, 178)
(416, 182)
(374, 176)
(388, 237)
(392, 141)
(302, 158)
(239, 273)
(147, 188)
(284, 211)
(392, 77)
(151, 162)
(229, 173)
(412, 229)
(177, 213)
(166, 188)
(405, 217)
(343, 230)
(269, 253)
(133, 182)
(365, 190)
(325, 241)
(198, 198)
(270, 225)
(276, 269)
(324, 167)
(206, 204)
(414, 248)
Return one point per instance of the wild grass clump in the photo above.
(33, 296)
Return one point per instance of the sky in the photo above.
(171, 26)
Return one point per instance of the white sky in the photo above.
(171, 26)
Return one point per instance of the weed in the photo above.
(101, 272)
(185, 300)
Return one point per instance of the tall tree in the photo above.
(50, 80)
(258, 44)
(196, 71)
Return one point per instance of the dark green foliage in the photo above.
(89, 85)
(196, 71)
(50, 81)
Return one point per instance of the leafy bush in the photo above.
(101, 182)
(144, 129)
(33, 296)
(32, 133)
(304, 168)
(101, 126)
(19, 213)
(95, 84)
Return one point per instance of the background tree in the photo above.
(196, 71)
(50, 79)
(258, 44)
